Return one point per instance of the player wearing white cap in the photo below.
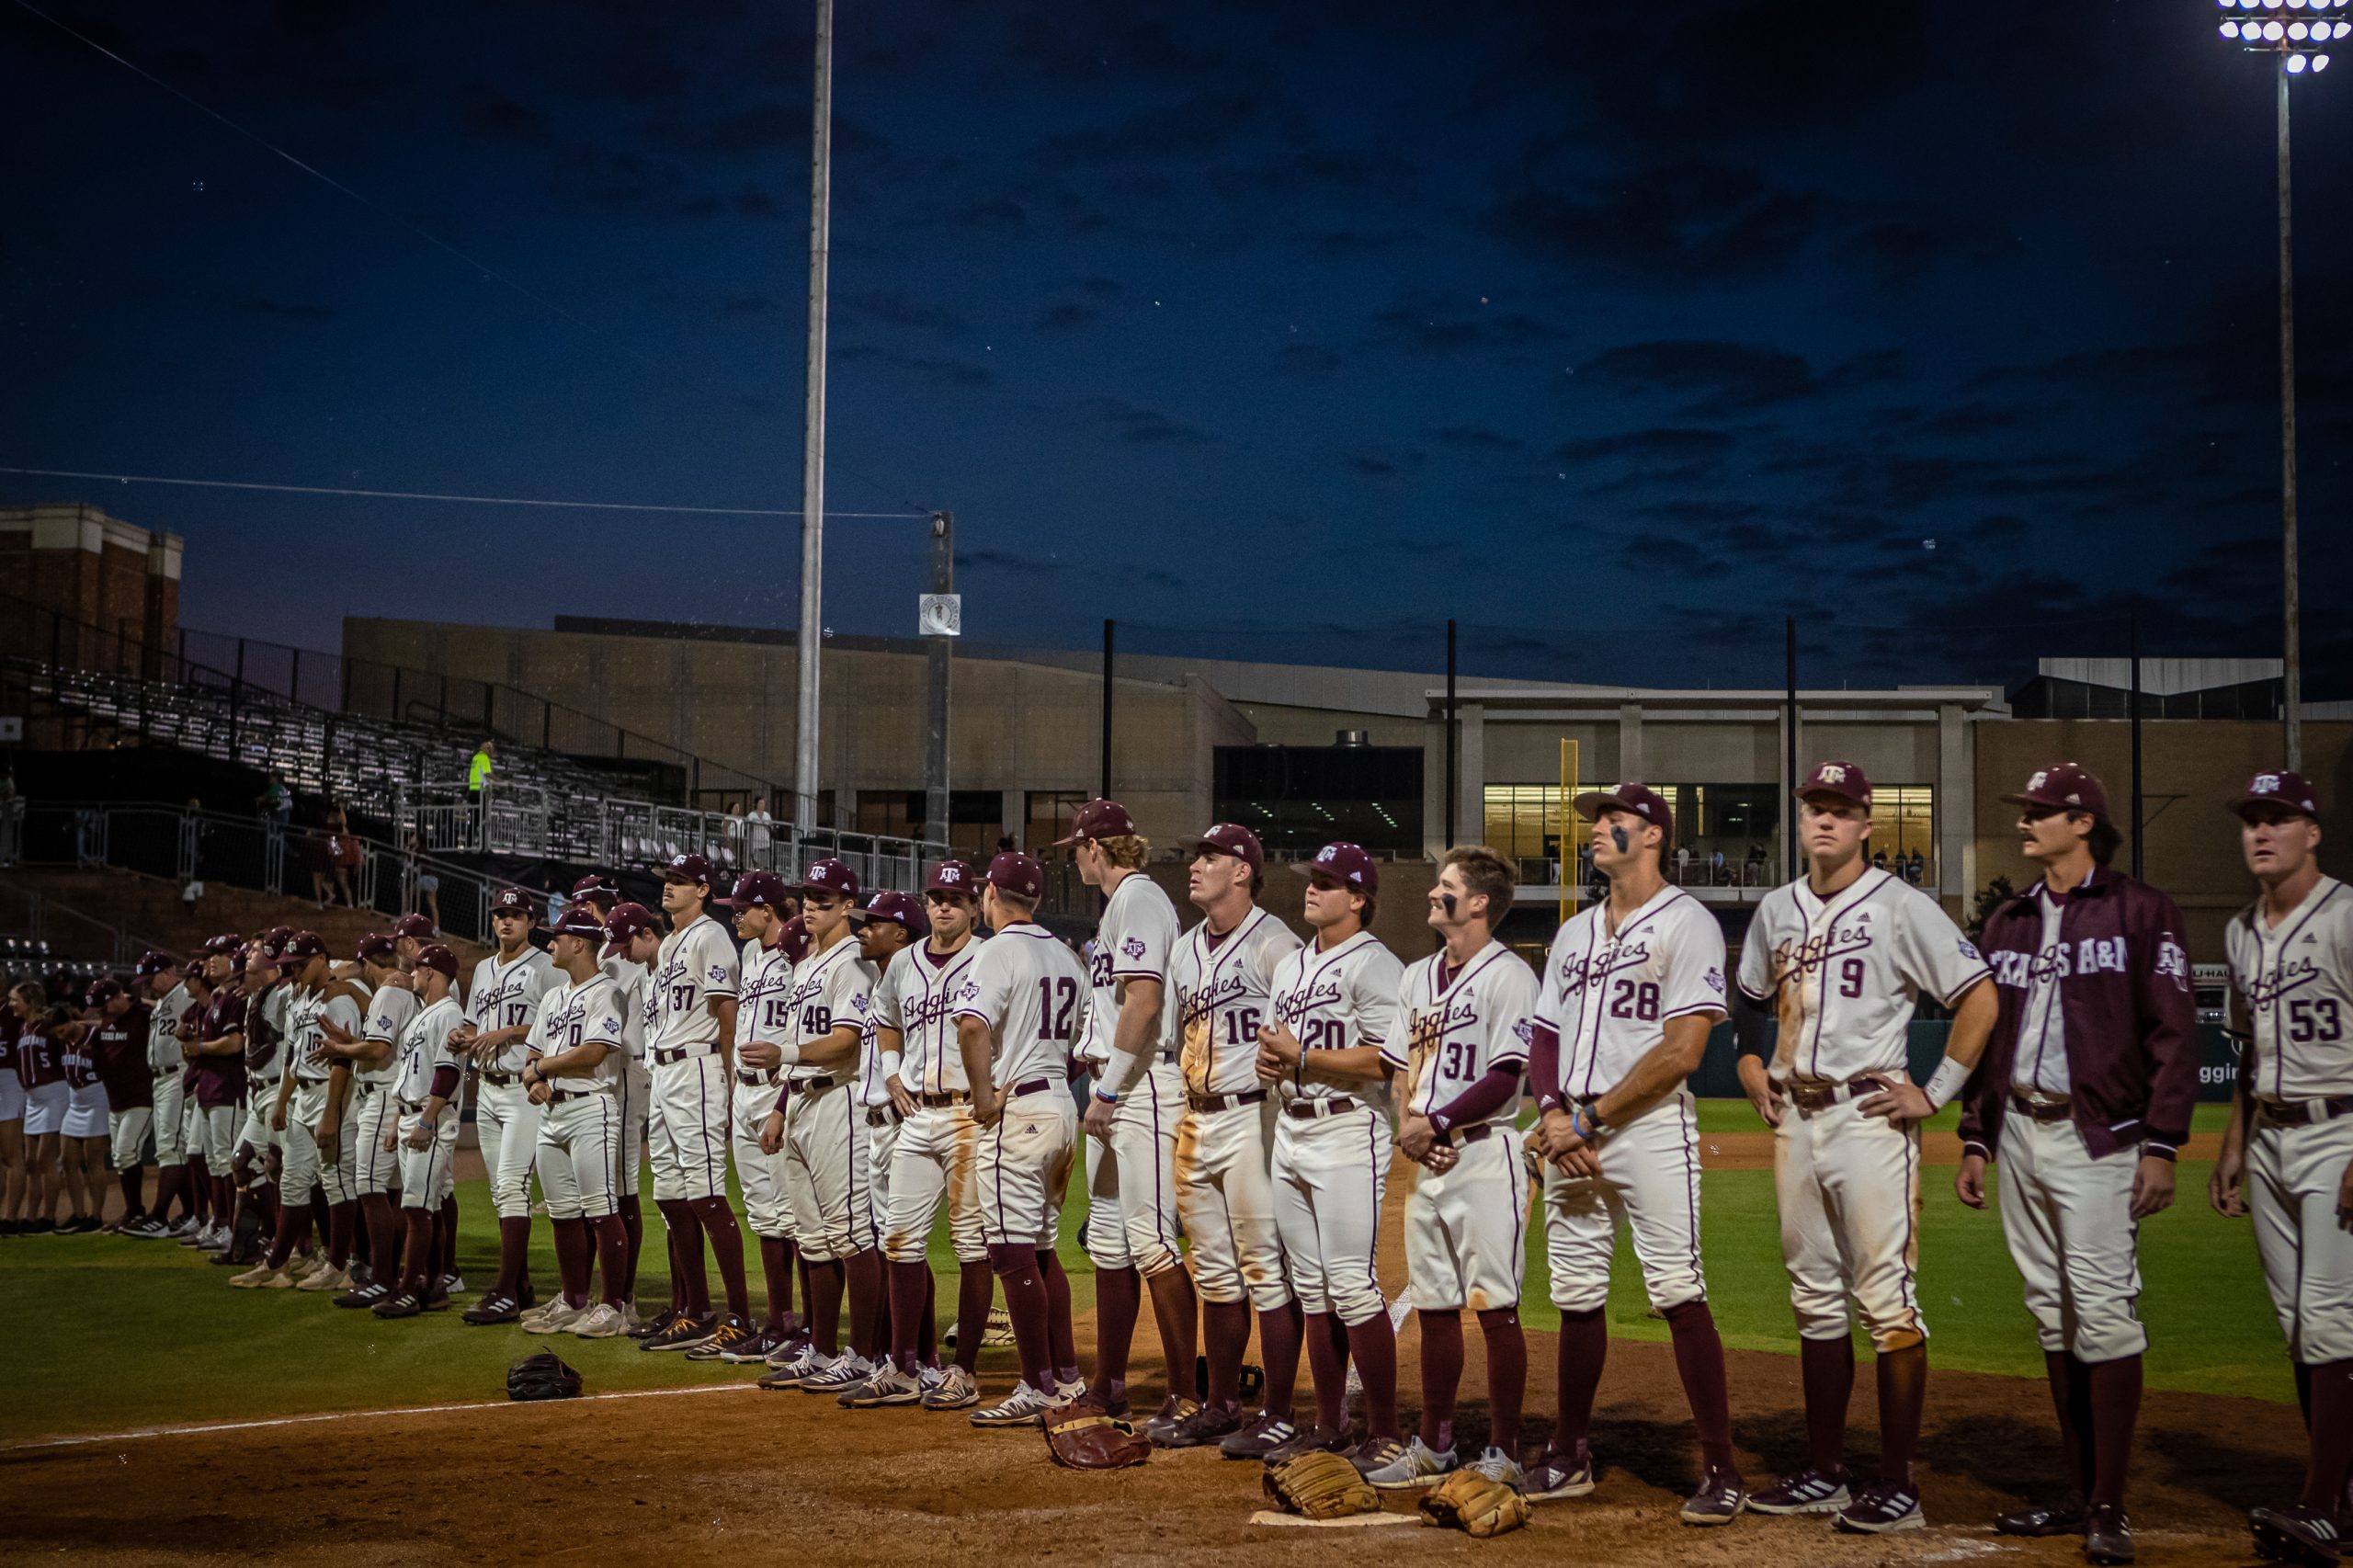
(1332, 1009)
(1842, 956)
(500, 1005)
(574, 1071)
(2286, 1156)
(1633, 986)
(1460, 1042)
(1017, 1019)
(762, 1021)
(1131, 1123)
(1222, 972)
(374, 1060)
(424, 1088)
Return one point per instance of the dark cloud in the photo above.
(1656, 445)
(1145, 426)
(1476, 437)
(490, 112)
(1718, 376)
(1008, 562)
(1428, 324)
(899, 308)
(1690, 222)
(1306, 361)
(1198, 124)
(1067, 316)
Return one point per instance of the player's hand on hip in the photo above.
(902, 1099)
(421, 1138)
(1969, 1182)
(1898, 1100)
(988, 1106)
(2225, 1187)
(1097, 1121)
(278, 1120)
(2152, 1187)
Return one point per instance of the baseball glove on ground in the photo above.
(1084, 1437)
(1320, 1485)
(541, 1377)
(1469, 1501)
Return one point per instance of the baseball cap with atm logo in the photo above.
(687, 869)
(1640, 799)
(757, 890)
(895, 906)
(2284, 789)
(626, 922)
(512, 901)
(2066, 788)
(1843, 779)
(951, 876)
(1099, 819)
(829, 875)
(302, 948)
(1346, 864)
(1226, 838)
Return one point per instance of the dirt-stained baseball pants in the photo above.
(1650, 1178)
(933, 1160)
(1132, 1178)
(1331, 1173)
(1225, 1199)
(1023, 1169)
(1849, 1186)
(306, 1165)
(2068, 1219)
(2293, 1175)
(826, 1173)
(1466, 1228)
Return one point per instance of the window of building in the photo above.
(975, 817)
(1051, 813)
(1739, 822)
(1522, 822)
(1904, 823)
(1298, 799)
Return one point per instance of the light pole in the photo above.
(811, 637)
(2296, 34)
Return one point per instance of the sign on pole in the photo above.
(939, 615)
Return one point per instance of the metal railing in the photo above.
(69, 932)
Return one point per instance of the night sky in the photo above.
(1273, 330)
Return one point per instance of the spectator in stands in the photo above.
(427, 885)
(276, 801)
(344, 852)
(1878, 861)
(478, 771)
(1756, 863)
(1918, 868)
(762, 825)
(1716, 867)
(738, 832)
(1682, 864)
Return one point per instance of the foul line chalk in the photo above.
(206, 1427)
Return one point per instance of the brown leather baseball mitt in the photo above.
(1469, 1501)
(1084, 1437)
(1320, 1485)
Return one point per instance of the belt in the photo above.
(1471, 1134)
(1331, 1105)
(677, 1053)
(757, 1077)
(2041, 1110)
(816, 1086)
(163, 1073)
(367, 1089)
(412, 1108)
(1034, 1087)
(1224, 1102)
(2304, 1113)
(945, 1098)
(1813, 1097)
(557, 1096)
(883, 1116)
(502, 1080)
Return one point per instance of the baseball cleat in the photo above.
(998, 1334)
(2305, 1536)
(1558, 1475)
(758, 1347)
(629, 1313)
(1879, 1507)
(660, 1323)
(1811, 1491)
(365, 1296)
(403, 1305)
(1025, 1406)
(603, 1321)
(729, 1340)
(556, 1317)
(684, 1334)
(845, 1372)
(146, 1230)
(327, 1278)
(495, 1308)
(807, 1364)
(1497, 1465)
(261, 1277)
(453, 1284)
(181, 1228)
(955, 1390)
(189, 1233)
(1261, 1435)
(891, 1384)
(1415, 1467)
(1175, 1408)
(2063, 1517)
(1309, 1440)
(2107, 1535)
(1207, 1424)
(1719, 1500)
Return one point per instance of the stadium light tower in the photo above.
(2297, 37)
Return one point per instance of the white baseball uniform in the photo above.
(686, 1126)
(307, 1164)
(1332, 1145)
(763, 1013)
(428, 1175)
(1609, 995)
(2296, 981)
(375, 1109)
(826, 1166)
(507, 996)
(1033, 994)
(934, 1158)
(580, 1124)
(634, 1098)
(871, 1102)
(1130, 1176)
(1466, 1227)
(165, 1063)
(1224, 1195)
(1844, 975)
(266, 1017)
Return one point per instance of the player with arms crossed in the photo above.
(1017, 1019)
(425, 1088)
(1333, 1008)
(1842, 955)
(1633, 986)
(500, 1007)
(2286, 1156)
(1131, 1123)
(2085, 1090)
(1460, 1042)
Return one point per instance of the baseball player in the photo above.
(119, 1044)
(213, 1043)
(500, 1005)
(762, 1021)
(1842, 956)
(314, 1156)
(934, 1158)
(1017, 1019)
(1332, 1008)
(2086, 1091)
(1131, 1121)
(600, 892)
(690, 1031)
(824, 1136)
(157, 979)
(374, 1061)
(1633, 986)
(337, 1130)
(1460, 1042)
(576, 1053)
(2286, 1156)
(891, 923)
(82, 1136)
(424, 1088)
(1222, 972)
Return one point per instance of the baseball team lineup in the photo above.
(1239, 1102)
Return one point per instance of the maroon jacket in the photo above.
(2130, 1018)
(220, 1080)
(121, 1046)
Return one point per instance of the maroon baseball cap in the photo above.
(829, 875)
(376, 947)
(1097, 819)
(794, 940)
(1640, 799)
(434, 956)
(582, 921)
(687, 869)
(625, 921)
(951, 876)
(899, 906)
(1017, 874)
(512, 901)
(226, 946)
(275, 936)
(757, 890)
(598, 885)
(302, 948)
(102, 991)
(2282, 789)
(151, 963)
(417, 927)
(1843, 779)
(1346, 864)
(2066, 787)
(1226, 838)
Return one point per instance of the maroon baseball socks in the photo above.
(1699, 1360)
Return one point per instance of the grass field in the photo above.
(115, 1334)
